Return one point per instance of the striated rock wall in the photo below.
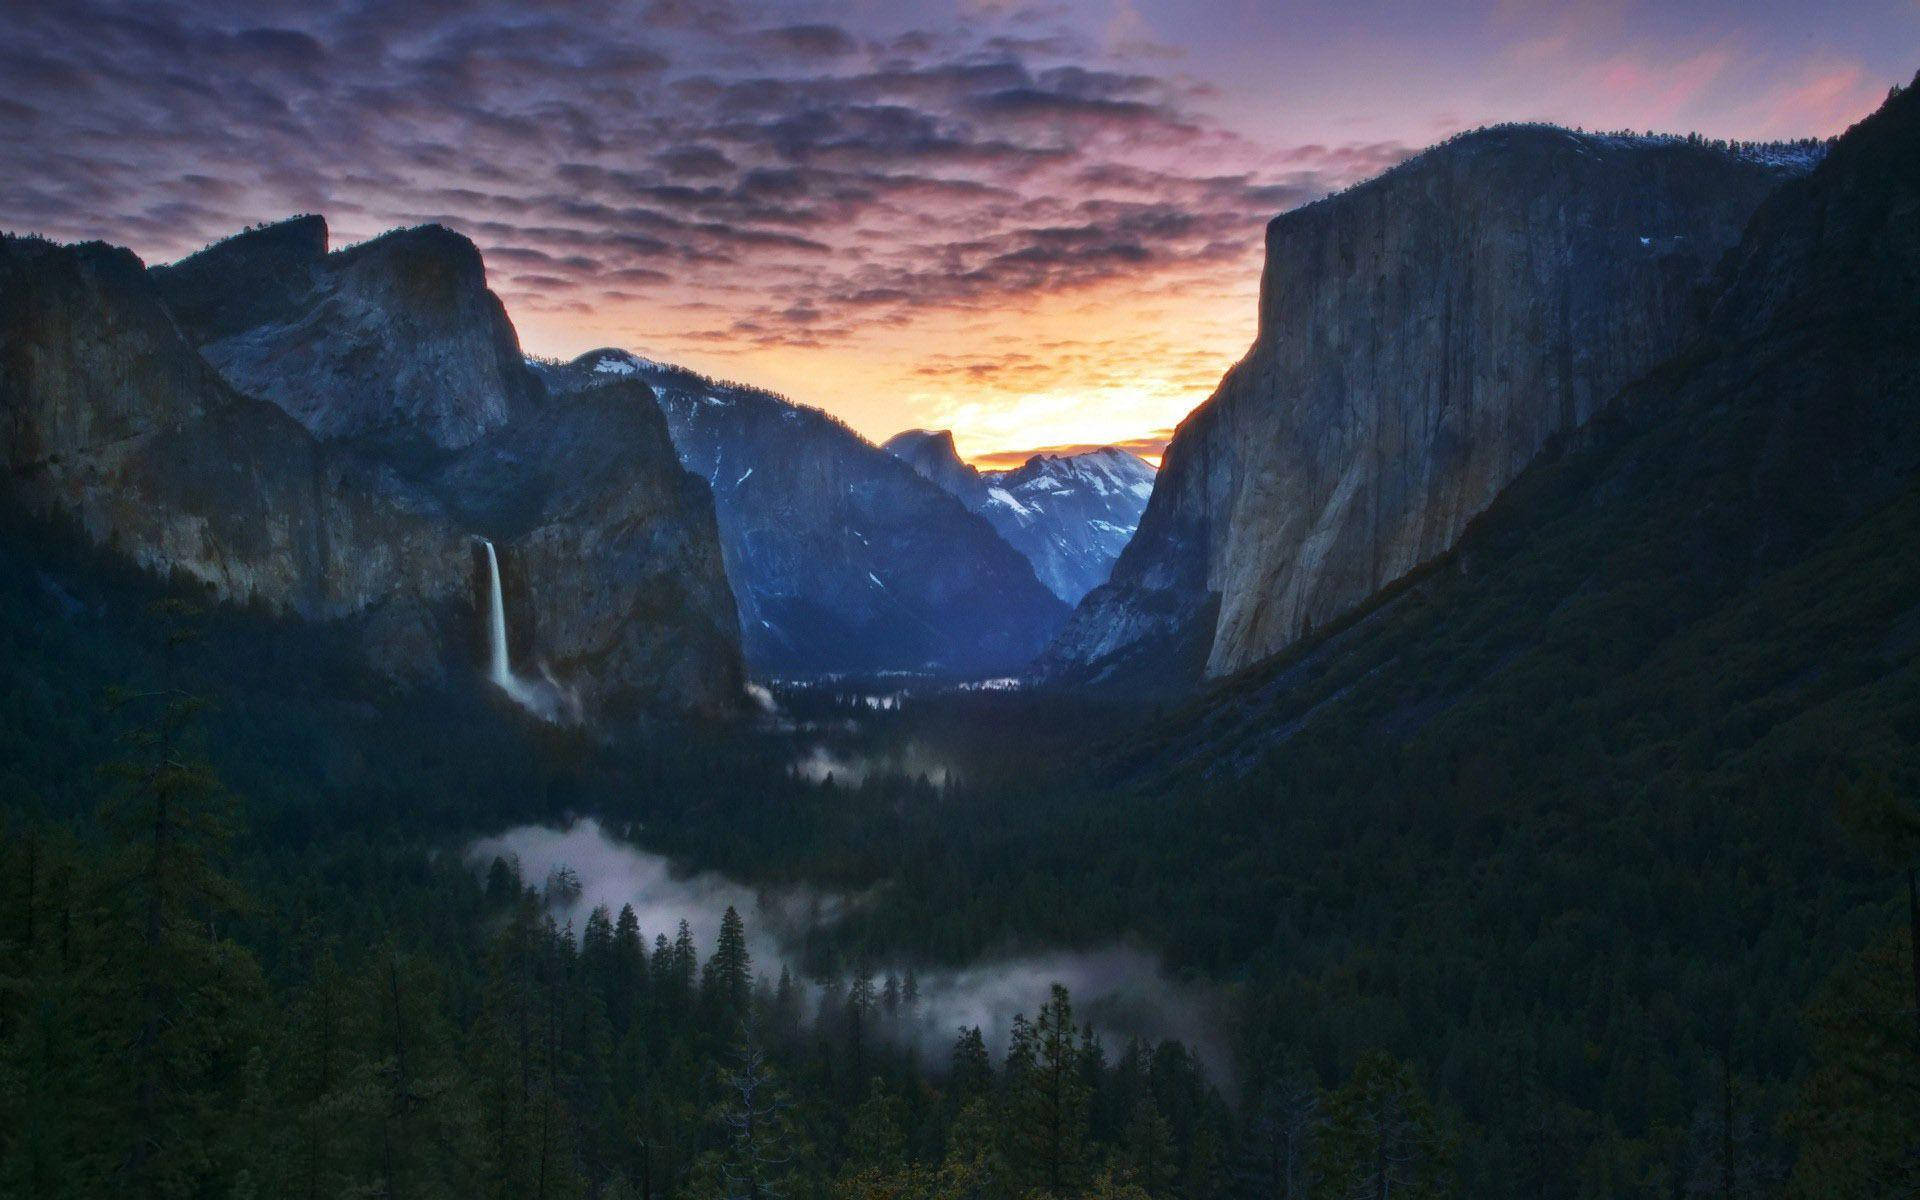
(113, 421)
(610, 553)
(1421, 338)
(395, 341)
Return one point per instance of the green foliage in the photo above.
(1046, 1101)
(1858, 1110)
(1383, 1138)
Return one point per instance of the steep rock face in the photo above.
(1421, 338)
(1070, 515)
(931, 452)
(841, 558)
(1719, 569)
(114, 422)
(609, 550)
(251, 279)
(395, 341)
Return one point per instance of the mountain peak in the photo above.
(1542, 269)
(395, 338)
(303, 236)
(249, 279)
(931, 453)
(912, 441)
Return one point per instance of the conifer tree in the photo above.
(1047, 1102)
(1382, 1139)
(184, 987)
(726, 984)
(629, 976)
(1147, 1154)
(969, 1070)
(759, 1155)
(1282, 1125)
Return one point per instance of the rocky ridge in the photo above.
(1422, 337)
(1070, 514)
(359, 492)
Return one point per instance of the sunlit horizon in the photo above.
(1035, 227)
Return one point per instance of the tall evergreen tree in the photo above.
(969, 1069)
(760, 1152)
(1382, 1138)
(184, 986)
(1047, 1101)
(726, 983)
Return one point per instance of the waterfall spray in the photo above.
(548, 701)
(499, 669)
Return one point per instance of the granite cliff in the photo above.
(355, 487)
(1422, 337)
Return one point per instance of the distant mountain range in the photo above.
(842, 558)
(331, 435)
(337, 435)
(1069, 514)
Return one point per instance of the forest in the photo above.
(241, 952)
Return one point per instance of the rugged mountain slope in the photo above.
(1577, 784)
(611, 558)
(1070, 514)
(1422, 337)
(395, 340)
(1721, 564)
(842, 558)
(116, 424)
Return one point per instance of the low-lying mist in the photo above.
(1122, 991)
(851, 769)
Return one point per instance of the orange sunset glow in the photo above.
(1036, 227)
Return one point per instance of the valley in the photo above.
(1478, 760)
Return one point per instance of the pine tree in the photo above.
(726, 984)
(1382, 1139)
(862, 1006)
(1047, 1102)
(185, 987)
(629, 977)
(1147, 1152)
(759, 1158)
(876, 1134)
(969, 1070)
(785, 1016)
(1282, 1127)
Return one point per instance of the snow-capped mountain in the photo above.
(1069, 514)
(841, 557)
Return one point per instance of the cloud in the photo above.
(807, 41)
(598, 133)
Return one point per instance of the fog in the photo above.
(1121, 990)
(914, 761)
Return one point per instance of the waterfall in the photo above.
(499, 669)
(549, 700)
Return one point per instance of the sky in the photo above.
(1036, 224)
